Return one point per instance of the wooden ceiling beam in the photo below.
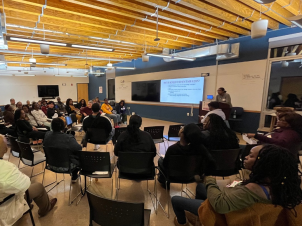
(116, 23)
(238, 9)
(180, 11)
(272, 10)
(290, 5)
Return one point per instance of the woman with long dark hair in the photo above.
(274, 179)
(190, 144)
(81, 104)
(134, 140)
(70, 109)
(217, 135)
(24, 129)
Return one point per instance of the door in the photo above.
(82, 91)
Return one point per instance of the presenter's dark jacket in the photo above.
(145, 144)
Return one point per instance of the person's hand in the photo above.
(6, 123)
(85, 114)
(250, 135)
(42, 125)
(35, 129)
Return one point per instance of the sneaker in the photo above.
(75, 180)
(178, 224)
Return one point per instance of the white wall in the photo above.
(243, 81)
(25, 88)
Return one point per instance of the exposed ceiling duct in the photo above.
(223, 52)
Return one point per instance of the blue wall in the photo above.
(250, 50)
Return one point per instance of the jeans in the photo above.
(114, 117)
(181, 204)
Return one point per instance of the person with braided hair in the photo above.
(274, 179)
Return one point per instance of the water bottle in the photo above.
(234, 115)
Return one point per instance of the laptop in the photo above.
(68, 120)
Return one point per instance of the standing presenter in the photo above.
(223, 96)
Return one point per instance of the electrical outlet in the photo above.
(188, 114)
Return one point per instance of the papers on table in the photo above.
(248, 140)
(44, 129)
(100, 172)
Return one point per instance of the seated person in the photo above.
(51, 111)
(19, 105)
(81, 104)
(44, 106)
(70, 109)
(13, 181)
(24, 129)
(4, 130)
(107, 109)
(28, 104)
(121, 110)
(9, 114)
(57, 139)
(214, 109)
(40, 116)
(60, 105)
(217, 136)
(190, 144)
(134, 140)
(96, 121)
(87, 110)
(287, 135)
(29, 117)
(274, 179)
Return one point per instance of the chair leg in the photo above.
(55, 182)
(186, 191)
(154, 202)
(71, 201)
(31, 217)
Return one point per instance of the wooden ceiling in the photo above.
(182, 23)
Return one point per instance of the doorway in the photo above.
(82, 89)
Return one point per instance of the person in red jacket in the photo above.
(288, 133)
(44, 107)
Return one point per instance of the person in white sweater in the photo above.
(39, 116)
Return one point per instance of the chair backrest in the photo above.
(227, 161)
(183, 167)
(174, 130)
(57, 157)
(136, 163)
(94, 161)
(156, 132)
(13, 143)
(96, 136)
(26, 152)
(119, 131)
(239, 111)
(108, 212)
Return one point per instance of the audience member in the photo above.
(216, 135)
(13, 104)
(107, 109)
(96, 121)
(28, 104)
(134, 140)
(8, 114)
(288, 135)
(51, 111)
(44, 106)
(57, 139)
(214, 109)
(19, 105)
(70, 109)
(60, 105)
(223, 96)
(274, 179)
(121, 110)
(81, 104)
(24, 129)
(29, 117)
(4, 130)
(292, 101)
(190, 144)
(87, 110)
(274, 101)
(14, 182)
(39, 116)
(97, 100)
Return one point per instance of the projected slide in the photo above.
(184, 90)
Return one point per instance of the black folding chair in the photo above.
(14, 148)
(118, 132)
(108, 212)
(227, 162)
(236, 123)
(137, 166)
(181, 170)
(173, 133)
(59, 158)
(95, 165)
(28, 203)
(157, 134)
(30, 158)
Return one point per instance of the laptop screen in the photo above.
(68, 120)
